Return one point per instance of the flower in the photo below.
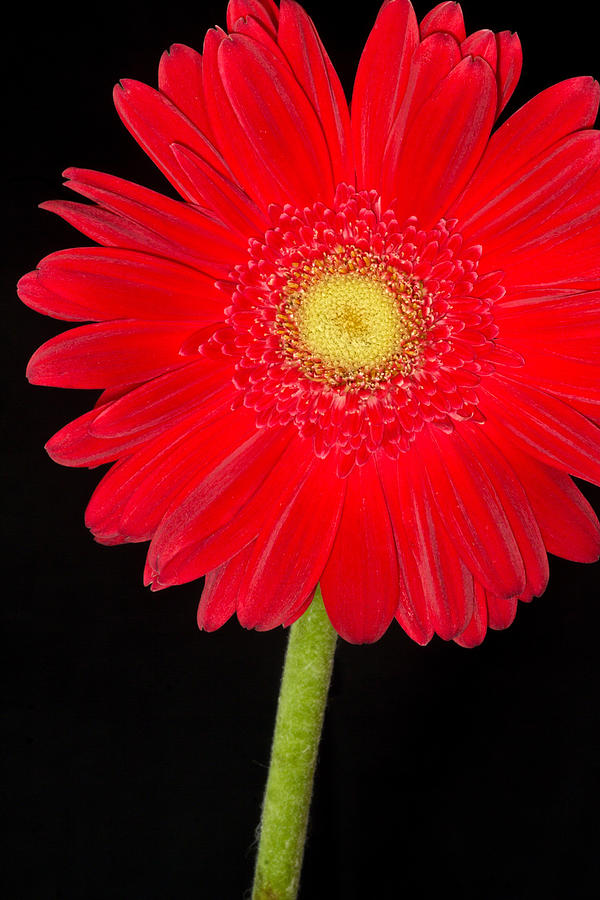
(361, 350)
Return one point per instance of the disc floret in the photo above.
(350, 319)
(359, 329)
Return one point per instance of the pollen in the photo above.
(351, 319)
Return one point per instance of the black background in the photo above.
(138, 746)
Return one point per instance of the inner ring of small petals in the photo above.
(351, 318)
(308, 352)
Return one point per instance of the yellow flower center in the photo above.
(350, 322)
(351, 319)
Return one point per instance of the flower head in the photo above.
(362, 349)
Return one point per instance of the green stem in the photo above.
(302, 699)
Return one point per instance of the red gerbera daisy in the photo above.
(362, 350)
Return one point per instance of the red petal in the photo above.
(299, 609)
(433, 60)
(165, 496)
(445, 142)
(73, 445)
(380, 85)
(501, 611)
(112, 494)
(472, 511)
(543, 426)
(505, 218)
(215, 498)
(560, 252)
(221, 590)
(413, 611)
(156, 123)
(268, 131)
(103, 513)
(551, 115)
(439, 586)
(232, 138)
(567, 522)
(217, 544)
(112, 353)
(574, 380)
(114, 230)
(312, 67)
(574, 315)
(180, 80)
(481, 43)
(264, 11)
(131, 500)
(293, 546)
(447, 582)
(226, 199)
(444, 17)
(258, 31)
(168, 227)
(508, 67)
(515, 504)
(560, 340)
(156, 404)
(108, 395)
(476, 630)
(93, 283)
(360, 581)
